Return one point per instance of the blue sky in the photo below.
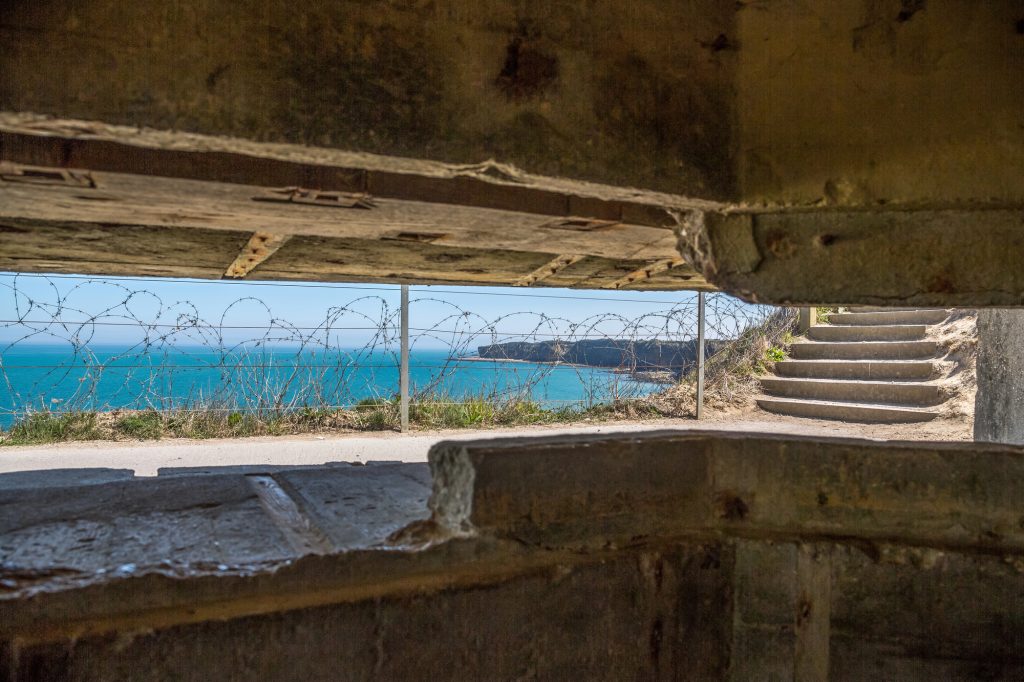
(511, 313)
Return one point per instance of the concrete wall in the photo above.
(880, 101)
(635, 94)
(668, 556)
(999, 403)
(852, 103)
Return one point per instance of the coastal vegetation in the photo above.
(199, 422)
(730, 373)
(94, 359)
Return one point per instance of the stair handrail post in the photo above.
(804, 320)
(700, 355)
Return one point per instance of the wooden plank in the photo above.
(124, 250)
(340, 260)
(547, 270)
(261, 245)
(155, 226)
(146, 200)
(596, 273)
(117, 250)
(121, 250)
(25, 138)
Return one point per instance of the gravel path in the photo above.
(146, 458)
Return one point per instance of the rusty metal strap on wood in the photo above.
(556, 265)
(38, 175)
(577, 224)
(301, 195)
(260, 247)
(646, 272)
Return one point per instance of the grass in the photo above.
(47, 427)
(729, 373)
(141, 425)
(732, 373)
(373, 414)
(821, 314)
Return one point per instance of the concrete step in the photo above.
(873, 332)
(933, 316)
(850, 412)
(865, 370)
(864, 350)
(915, 394)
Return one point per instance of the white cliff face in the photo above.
(647, 355)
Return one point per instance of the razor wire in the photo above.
(51, 358)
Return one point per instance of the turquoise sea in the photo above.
(258, 378)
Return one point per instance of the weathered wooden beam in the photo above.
(260, 247)
(120, 198)
(40, 141)
(95, 249)
(53, 221)
(547, 270)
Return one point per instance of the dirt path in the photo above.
(146, 458)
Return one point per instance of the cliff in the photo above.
(636, 356)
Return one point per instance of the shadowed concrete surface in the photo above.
(178, 456)
(231, 518)
(999, 404)
(664, 555)
(797, 153)
(782, 152)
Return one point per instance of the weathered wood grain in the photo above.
(94, 249)
(38, 140)
(139, 224)
(133, 199)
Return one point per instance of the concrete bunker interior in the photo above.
(868, 152)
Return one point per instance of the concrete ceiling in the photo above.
(864, 152)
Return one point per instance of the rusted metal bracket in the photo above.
(576, 224)
(315, 197)
(417, 237)
(42, 175)
(645, 272)
(260, 247)
(547, 270)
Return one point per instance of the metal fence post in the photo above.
(700, 355)
(403, 379)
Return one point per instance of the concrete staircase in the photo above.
(866, 365)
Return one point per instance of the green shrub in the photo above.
(52, 427)
(821, 315)
(377, 414)
(142, 425)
